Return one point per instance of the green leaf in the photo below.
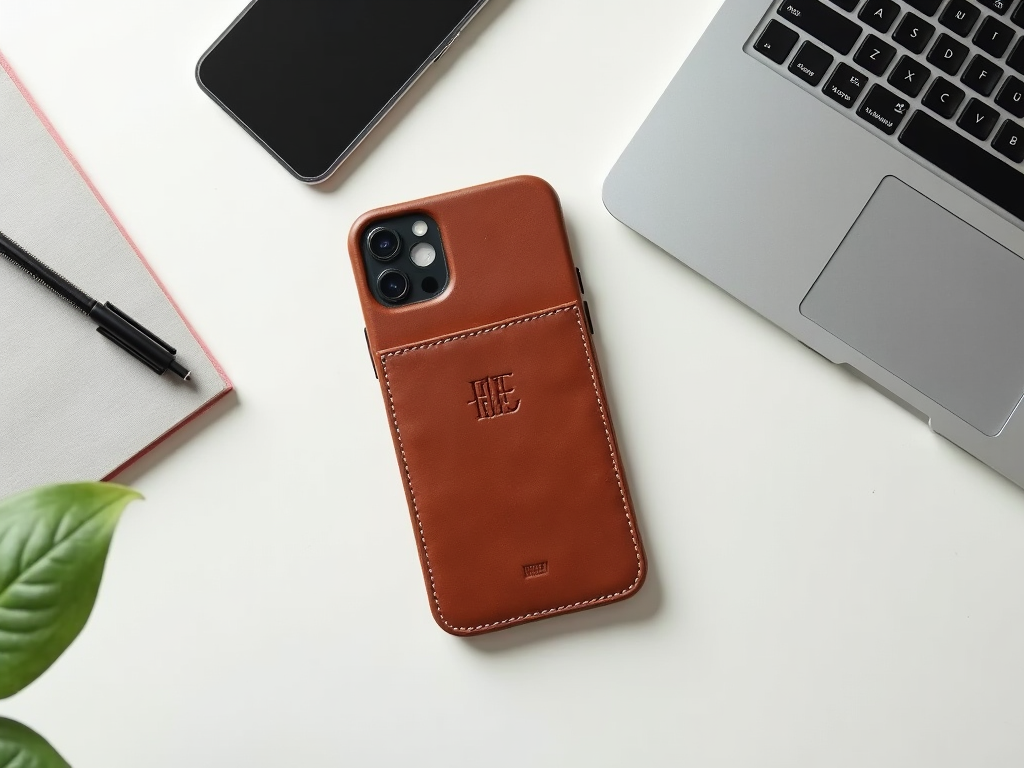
(21, 747)
(53, 546)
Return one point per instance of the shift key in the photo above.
(818, 20)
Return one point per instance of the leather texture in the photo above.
(516, 490)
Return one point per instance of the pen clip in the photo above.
(104, 332)
(140, 329)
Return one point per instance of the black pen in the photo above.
(112, 322)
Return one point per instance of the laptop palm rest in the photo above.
(930, 299)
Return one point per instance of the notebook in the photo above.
(74, 406)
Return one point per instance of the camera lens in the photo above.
(384, 243)
(393, 285)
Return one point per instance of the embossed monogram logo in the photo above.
(491, 396)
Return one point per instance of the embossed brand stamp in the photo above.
(491, 396)
(535, 570)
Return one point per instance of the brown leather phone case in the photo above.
(501, 426)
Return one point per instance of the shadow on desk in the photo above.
(407, 103)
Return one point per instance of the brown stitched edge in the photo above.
(611, 451)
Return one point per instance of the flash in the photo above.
(419, 229)
(422, 254)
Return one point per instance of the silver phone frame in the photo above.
(434, 56)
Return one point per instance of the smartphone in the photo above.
(309, 79)
(480, 337)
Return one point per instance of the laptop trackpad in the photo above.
(932, 300)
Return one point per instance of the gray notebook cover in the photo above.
(74, 406)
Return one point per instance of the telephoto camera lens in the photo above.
(393, 285)
(384, 243)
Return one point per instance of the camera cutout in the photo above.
(404, 260)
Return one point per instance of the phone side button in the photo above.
(579, 277)
(590, 323)
(370, 353)
(442, 53)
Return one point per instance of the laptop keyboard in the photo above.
(940, 80)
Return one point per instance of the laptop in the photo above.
(852, 170)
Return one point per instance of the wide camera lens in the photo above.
(384, 243)
(393, 285)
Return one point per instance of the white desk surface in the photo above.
(831, 584)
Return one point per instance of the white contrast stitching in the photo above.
(611, 450)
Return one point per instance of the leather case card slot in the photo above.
(518, 498)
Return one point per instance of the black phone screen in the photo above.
(308, 77)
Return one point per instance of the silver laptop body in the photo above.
(875, 217)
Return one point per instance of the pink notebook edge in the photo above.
(228, 386)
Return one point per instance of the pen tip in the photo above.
(179, 370)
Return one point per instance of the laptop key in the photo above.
(927, 7)
(846, 5)
(845, 85)
(960, 16)
(913, 32)
(880, 14)
(993, 37)
(909, 76)
(943, 98)
(811, 63)
(978, 119)
(874, 55)
(1017, 17)
(982, 75)
(965, 161)
(1016, 57)
(999, 6)
(1011, 96)
(776, 41)
(883, 109)
(819, 21)
(1010, 141)
(947, 54)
